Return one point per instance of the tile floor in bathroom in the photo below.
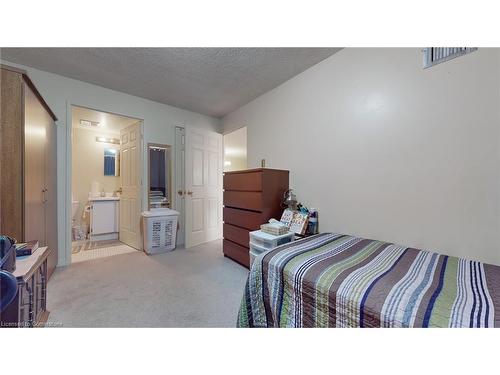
(87, 250)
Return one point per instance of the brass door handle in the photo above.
(120, 190)
(189, 193)
(179, 192)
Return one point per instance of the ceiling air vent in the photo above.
(89, 124)
(437, 55)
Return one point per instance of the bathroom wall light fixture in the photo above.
(89, 124)
(114, 141)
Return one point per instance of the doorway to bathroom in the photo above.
(235, 150)
(106, 184)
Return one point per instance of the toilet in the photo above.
(77, 230)
(74, 211)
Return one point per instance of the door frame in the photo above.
(179, 167)
(65, 260)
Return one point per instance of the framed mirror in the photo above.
(111, 162)
(160, 186)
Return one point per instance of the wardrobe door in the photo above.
(35, 138)
(51, 194)
(11, 154)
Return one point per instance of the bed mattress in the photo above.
(334, 280)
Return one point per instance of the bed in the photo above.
(335, 280)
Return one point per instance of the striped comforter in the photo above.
(333, 280)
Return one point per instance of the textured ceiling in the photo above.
(212, 81)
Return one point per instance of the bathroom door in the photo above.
(131, 178)
(203, 177)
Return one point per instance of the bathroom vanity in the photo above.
(104, 218)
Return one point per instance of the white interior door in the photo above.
(131, 177)
(203, 199)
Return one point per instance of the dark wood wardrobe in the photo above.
(28, 166)
(251, 198)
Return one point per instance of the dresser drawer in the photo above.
(238, 235)
(238, 253)
(251, 181)
(245, 219)
(247, 200)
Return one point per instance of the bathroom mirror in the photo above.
(111, 162)
(159, 157)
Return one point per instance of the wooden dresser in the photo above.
(251, 198)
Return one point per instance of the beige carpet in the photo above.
(195, 287)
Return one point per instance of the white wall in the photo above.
(61, 92)
(387, 150)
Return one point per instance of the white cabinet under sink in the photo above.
(104, 218)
